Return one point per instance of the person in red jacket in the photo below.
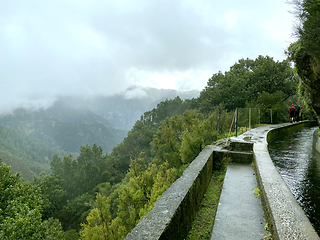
(292, 111)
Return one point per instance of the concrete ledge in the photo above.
(173, 213)
(287, 219)
(316, 141)
(235, 156)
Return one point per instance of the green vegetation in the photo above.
(28, 140)
(257, 192)
(249, 82)
(104, 195)
(305, 52)
(203, 223)
(64, 128)
(175, 144)
(261, 89)
(267, 236)
(25, 154)
(20, 210)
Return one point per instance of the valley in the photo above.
(29, 138)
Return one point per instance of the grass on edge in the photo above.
(202, 225)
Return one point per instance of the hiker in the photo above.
(297, 115)
(292, 112)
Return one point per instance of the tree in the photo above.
(100, 224)
(65, 169)
(245, 81)
(54, 196)
(91, 169)
(307, 13)
(135, 193)
(275, 102)
(20, 210)
(167, 141)
(162, 180)
(20, 207)
(192, 136)
(80, 176)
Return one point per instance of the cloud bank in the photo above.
(57, 48)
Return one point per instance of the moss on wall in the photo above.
(181, 221)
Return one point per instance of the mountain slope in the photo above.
(17, 165)
(123, 110)
(29, 139)
(24, 154)
(65, 128)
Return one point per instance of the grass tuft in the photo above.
(257, 192)
(202, 225)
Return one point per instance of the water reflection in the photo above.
(299, 167)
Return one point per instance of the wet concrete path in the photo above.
(240, 214)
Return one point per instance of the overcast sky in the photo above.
(86, 47)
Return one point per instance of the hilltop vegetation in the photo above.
(104, 195)
(248, 81)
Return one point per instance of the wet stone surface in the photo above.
(239, 214)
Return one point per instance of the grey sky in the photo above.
(87, 47)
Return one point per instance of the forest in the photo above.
(103, 196)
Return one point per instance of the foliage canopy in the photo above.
(246, 81)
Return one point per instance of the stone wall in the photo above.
(316, 141)
(173, 213)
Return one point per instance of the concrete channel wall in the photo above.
(284, 215)
(316, 141)
(173, 213)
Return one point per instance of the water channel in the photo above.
(299, 166)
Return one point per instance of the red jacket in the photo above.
(292, 106)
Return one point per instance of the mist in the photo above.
(89, 48)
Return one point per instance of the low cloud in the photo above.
(59, 48)
(135, 93)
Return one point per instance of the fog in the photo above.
(86, 48)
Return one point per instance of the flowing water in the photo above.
(299, 166)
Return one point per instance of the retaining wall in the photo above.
(172, 215)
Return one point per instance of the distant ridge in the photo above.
(124, 109)
(64, 128)
(29, 138)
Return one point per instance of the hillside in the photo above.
(65, 128)
(25, 154)
(124, 109)
(29, 138)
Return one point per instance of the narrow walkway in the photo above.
(239, 214)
